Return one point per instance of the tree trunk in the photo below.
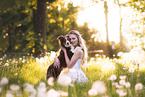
(107, 48)
(41, 14)
(39, 20)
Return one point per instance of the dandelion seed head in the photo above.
(6, 64)
(14, 87)
(92, 92)
(122, 77)
(113, 77)
(53, 93)
(28, 87)
(4, 81)
(127, 84)
(99, 86)
(9, 95)
(119, 86)
(138, 86)
(131, 70)
(122, 82)
(64, 80)
(121, 92)
(62, 93)
(42, 84)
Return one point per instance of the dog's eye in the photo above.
(69, 39)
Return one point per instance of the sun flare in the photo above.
(93, 14)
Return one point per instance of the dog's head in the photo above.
(65, 41)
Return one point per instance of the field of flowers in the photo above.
(123, 77)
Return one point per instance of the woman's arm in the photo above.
(77, 54)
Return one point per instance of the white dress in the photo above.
(76, 74)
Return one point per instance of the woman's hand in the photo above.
(56, 62)
(62, 48)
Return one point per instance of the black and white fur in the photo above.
(54, 71)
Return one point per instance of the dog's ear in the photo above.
(59, 36)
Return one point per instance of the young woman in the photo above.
(79, 57)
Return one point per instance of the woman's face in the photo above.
(74, 40)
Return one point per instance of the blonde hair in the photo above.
(81, 43)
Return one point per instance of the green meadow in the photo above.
(25, 77)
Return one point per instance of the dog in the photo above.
(54, 71)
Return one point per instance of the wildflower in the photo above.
(62, 93)
(53, 93)
(4, 81)
(6, 64)
(122, 82)
(41, 90)
(92, 92)
(131, 70)
(23, 61)
(119, 86)
(99, 87)
(42, 84)
(122, 77)
(121, 92)
(9, 95)
(138, 86)
(16, 73)
(127, 84)
(113, 77)
(64, 80)
(14, 87)
(50, 81)
(33, 93)
(28, 87)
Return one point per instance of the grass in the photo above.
(27, 71)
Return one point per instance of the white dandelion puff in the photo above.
(121, 92)
(62, 93)
(127, 84)
(113, 77)
(53, 93)
(6, 64)
(4, 81)
(138, 86)
(92, 92)
(9, 95)
(41, 90)
(99, 86)
(14, 87)
(131, 70)
(122, 82)
(64, 80)
(122, 77)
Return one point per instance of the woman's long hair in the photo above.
(81, 43)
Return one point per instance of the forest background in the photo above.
(32, 26)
